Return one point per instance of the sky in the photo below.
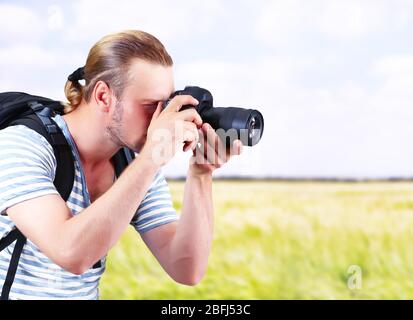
(332, 78)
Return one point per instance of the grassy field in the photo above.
(286, 240)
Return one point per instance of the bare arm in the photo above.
(183, 248)
(77, 242)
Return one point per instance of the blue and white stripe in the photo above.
(27, 170)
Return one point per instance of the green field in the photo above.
(286, 240)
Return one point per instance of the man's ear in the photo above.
(102, 96)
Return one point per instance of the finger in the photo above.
(190, 136)
(216, 143)
(208, 146)
(191, 144)
(234, 150)
(201, 153)
(194, 129)
(211, 154)
(224, 153)
(202, 144)
(177, 102)
(190, 126)
(190, 115)
(236, 147)
(187, 145)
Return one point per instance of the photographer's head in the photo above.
(126, 74)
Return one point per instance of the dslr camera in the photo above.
(246, 125)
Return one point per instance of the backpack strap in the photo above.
(14, 235)
(42, 123)
(122, 159)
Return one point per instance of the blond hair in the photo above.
(109, 61)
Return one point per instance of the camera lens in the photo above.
(251, 128)
(255, 127)
(229, 123)
(247, 123)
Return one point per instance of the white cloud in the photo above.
(279, 20)
(35, 69)
(248, 82)
(55, 19)
(33, 58)
(352, 19)
(393, 66)
(19, 24)
(25, 56)
(285, 22)
(395, 75)
(164, 19)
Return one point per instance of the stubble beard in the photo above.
(114, 129)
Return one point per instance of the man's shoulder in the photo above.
(22, 144)
(20, 135)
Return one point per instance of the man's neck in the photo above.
(89, 136)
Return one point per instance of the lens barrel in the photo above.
(247, 123)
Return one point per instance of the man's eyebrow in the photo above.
(151, 100)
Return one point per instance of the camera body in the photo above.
(246, 125)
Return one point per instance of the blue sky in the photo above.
(333, 78)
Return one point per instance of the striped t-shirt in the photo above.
(27, 171)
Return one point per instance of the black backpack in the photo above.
(35, 112)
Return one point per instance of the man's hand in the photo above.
(170, 129)
(211, 153)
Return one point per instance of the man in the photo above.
(127, 77)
